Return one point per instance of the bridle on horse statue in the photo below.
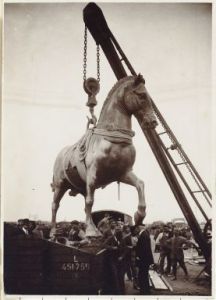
(91, 85)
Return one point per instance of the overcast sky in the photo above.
(44, 103)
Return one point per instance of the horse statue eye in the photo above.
(143, 95)
(140, 95)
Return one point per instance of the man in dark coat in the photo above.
(144, 258)
(23, 227)
(177, 254)
(116, 251)
(165, 251)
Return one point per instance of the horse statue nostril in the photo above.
(150, 124)
(154, 123)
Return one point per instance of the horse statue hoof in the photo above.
(91, 232)
(138, 218)
(52, 232)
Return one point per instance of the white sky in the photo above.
(44, 103)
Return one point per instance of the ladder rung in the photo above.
(183, 163)
(200, 191)
(162, 132)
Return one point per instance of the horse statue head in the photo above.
(129, 96)
(138, 102)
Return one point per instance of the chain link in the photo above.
(85, 57)
(85, 54)
(98, 63)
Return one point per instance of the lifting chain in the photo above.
(85, 55)
(91, 85)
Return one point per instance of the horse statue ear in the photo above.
(139, 79)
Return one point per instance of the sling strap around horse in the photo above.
(116, 135)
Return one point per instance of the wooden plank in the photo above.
(167, 283)
(156, 280)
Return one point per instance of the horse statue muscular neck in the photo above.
(105, 154)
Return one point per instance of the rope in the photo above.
(117, 133)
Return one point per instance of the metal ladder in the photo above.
(201, 186)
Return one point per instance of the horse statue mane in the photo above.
(105, 153)
(126, 82)
(118, 84)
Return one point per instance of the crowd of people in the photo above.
(129, 254)
(129, 249)
(25, 227)
(172, 242)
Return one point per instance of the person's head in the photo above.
(74, 223)
(39, 225)
(82, 226)
(165, 229)
(32, 225)
(119, 227)
(176, 232)
(20, 223)
(209, 235)
(126, 229)
(112, 224)
(76, 228)
(26, 223)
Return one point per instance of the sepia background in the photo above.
(44, 102)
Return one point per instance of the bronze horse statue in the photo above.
(105, 153)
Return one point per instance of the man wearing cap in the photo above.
(104, 223)
(112, 240)
(76, 235)
(24, 227)
(177, 254)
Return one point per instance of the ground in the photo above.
(181, 286)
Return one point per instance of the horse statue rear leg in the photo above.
(59, 191)
(131, 179)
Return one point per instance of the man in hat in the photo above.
(104, 223)
(177, 254)
(144, 258)
(113, 241)
(23, 227)
(76, 235)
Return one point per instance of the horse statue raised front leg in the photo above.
(105, 153)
